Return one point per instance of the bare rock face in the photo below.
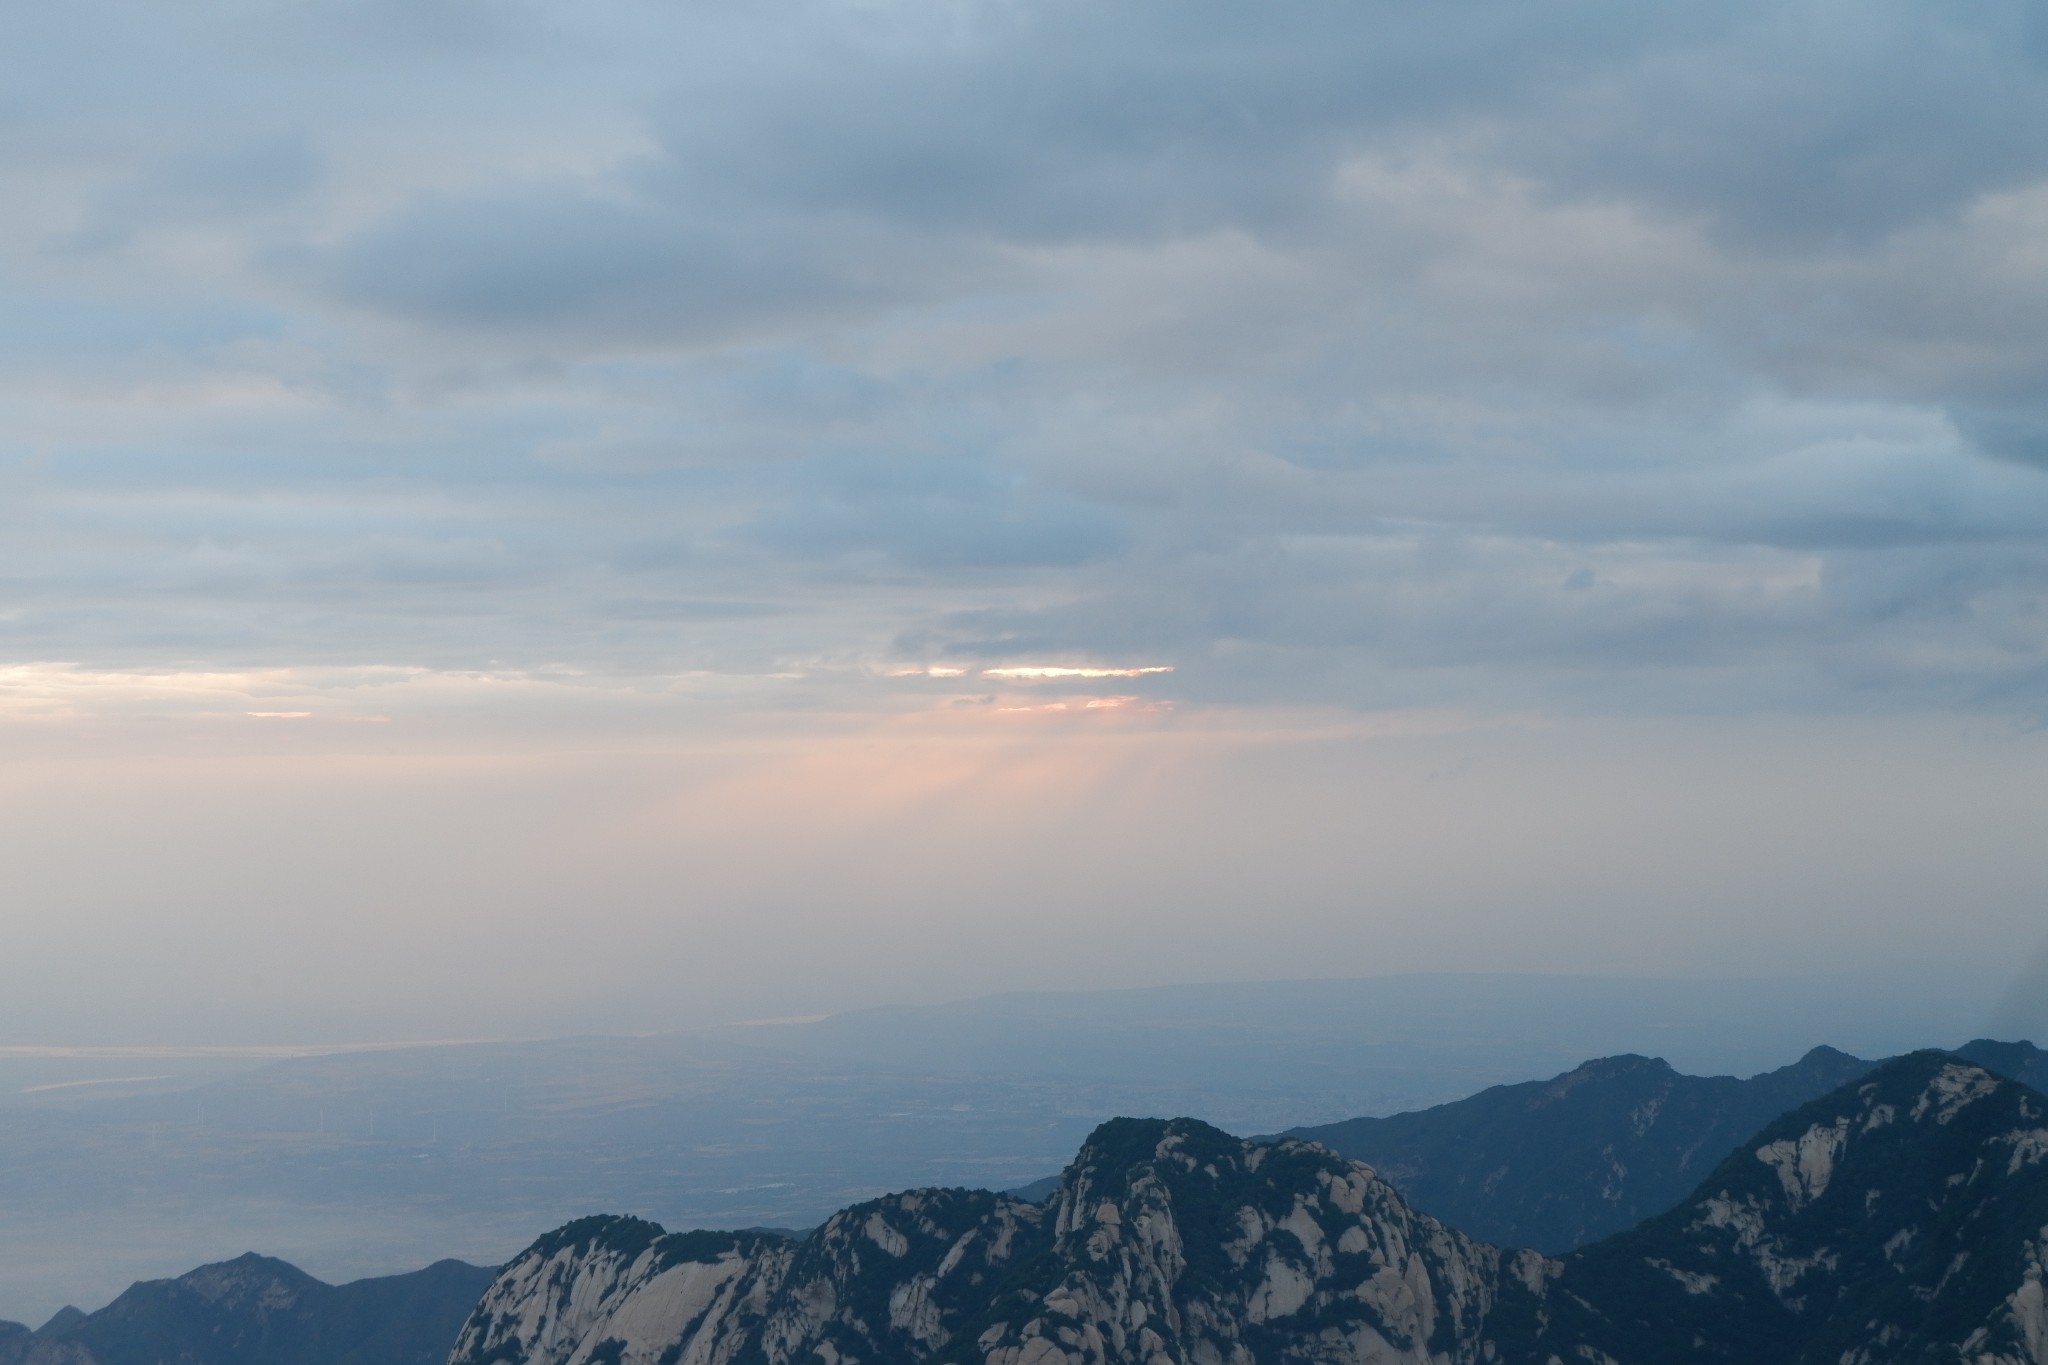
(1168, 1241)
(1175, 1242)
(889, 1280)
(1902, 1218)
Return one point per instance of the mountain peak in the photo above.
(1937, 1083)
(250, 1281)
(1168, 1239)
(258, 1310)
(1623, 1066)
(1620, 1064)
(1138, 1164)
(63, 1320)
(1124, 1144)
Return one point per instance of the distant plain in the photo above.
(124, 1164)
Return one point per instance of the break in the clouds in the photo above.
(1572, 354)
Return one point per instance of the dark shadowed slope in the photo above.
(1902, 1219)
(255, 1310)
(1559, 1163)
(2022, 1061)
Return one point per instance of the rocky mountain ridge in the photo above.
(1561, 1163)
(1168, 1241)
(1175, 1242)
(1903, 1217)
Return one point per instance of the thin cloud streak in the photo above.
(1050, 672)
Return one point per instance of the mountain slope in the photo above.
(256, 1310)
(1902, 1218)
(1166, 1242)
(1557, 1164)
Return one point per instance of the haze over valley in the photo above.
(376, 1161)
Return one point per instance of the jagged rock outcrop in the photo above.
(892, 1279)
(1176, 1242)
(1166, 1242)
(1902, 1218)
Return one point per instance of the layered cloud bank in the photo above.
(435, 383)
(1573, 354)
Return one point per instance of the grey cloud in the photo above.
(933, 513)
(253, 172)
(1521, 625)
(1849, 494)
(552, 259)
(1069, 120)
(1427, 601)
(2012, 432)
(823, 168)
(231, 179)
(1815, 125)
(856, 168)
(1547, 341)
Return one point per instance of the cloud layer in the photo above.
(1578, 355)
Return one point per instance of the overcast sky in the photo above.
(520, 516)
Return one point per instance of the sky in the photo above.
(518, 518)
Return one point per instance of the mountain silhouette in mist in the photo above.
(257, 1310)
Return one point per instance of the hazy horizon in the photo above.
(363, 1161)
(1954, 998)
(294, 896)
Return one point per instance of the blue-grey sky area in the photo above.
(518, 517)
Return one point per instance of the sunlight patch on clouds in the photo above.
(1047, 672)
(42, 691)
(852, 692)
(47, 690)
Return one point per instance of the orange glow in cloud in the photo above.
(1118, 703)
